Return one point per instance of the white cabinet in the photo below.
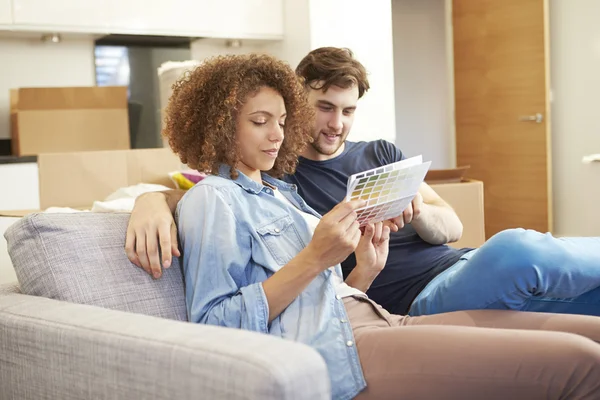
(62, 15)
(236, 19)
(5, 12)
(155, 17)
(20, 186)
(249, 18)
(260, 19)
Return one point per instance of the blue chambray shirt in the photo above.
(234, 235)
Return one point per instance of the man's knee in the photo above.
(515, 248)
(518, 240)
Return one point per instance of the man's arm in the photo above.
(433, 219)
(152, 225)
(173, 197)
(436, 222)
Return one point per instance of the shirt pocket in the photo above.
(281, 238)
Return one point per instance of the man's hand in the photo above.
(151, 225)
(410, 214)
(373, 247)
(336, 236)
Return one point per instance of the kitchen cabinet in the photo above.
(62, 15)
(260, 19)
(20, 188)
(248, 18)
(238, 19)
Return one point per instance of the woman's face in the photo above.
(260, 132)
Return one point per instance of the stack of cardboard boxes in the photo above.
(51, 120)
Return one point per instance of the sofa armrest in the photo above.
(51, 349)
(9, 288)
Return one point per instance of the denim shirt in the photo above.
(234, 235)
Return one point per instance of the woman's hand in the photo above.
(336, 236)
(373, 247)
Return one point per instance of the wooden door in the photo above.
(502, 109)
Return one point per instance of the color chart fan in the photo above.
(388, 189)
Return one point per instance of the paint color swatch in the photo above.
(388, 190)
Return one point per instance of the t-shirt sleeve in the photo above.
(391, 152)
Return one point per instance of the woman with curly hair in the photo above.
(257, 257)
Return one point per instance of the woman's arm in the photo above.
(214, 256)
(336, 236)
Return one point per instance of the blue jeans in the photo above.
(523, 270)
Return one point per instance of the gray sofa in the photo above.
(84, 323)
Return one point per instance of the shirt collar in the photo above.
(250, 185)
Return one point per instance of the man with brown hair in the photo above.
(515, 269)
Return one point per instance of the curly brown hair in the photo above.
(327, 66)
(202, 111)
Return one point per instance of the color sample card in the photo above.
(388, 189)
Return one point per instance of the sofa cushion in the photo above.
(80, 257)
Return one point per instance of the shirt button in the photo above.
(337, 296)
(343, 321)
(349, 343)
(277, 230)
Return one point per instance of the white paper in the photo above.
(388, 189)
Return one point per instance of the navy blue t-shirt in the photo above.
(412, 262)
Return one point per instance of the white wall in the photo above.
(422, 81)
(366, 28)
(296, 41)
(31, 63)
(575, 83)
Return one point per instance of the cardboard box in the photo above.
(76, 180)
(466, 198)
(68, 119)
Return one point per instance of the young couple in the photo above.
(256, 256)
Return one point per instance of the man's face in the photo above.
(334, 117)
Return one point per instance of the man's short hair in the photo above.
(327, 66)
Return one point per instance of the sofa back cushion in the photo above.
(80, 258)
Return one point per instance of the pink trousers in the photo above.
(483, 354)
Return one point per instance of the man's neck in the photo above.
(311, 154)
